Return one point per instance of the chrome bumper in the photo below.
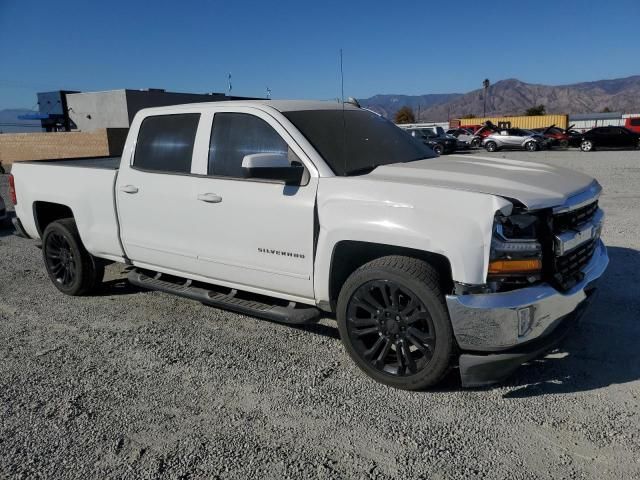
(499, 321)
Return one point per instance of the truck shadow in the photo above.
(118, 286)
(6, 229)
(604, 349)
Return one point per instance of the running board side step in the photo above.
(229, 299)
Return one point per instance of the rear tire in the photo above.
(476, 142)
(72, 269)
(394, 323)
(439, 149)
(532, 146)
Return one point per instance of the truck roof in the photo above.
(280, 105)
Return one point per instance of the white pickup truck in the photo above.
(292, 210)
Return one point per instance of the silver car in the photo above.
(462, 134)
(514, 138)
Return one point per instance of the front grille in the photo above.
(566, 270)
(566, 221)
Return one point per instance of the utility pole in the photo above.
(485, 85)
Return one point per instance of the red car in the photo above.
(558, 136)
(633, 124)
(482, 133)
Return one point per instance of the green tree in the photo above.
(468, 115)
(606, 110)
(405, 115)
(537, 110)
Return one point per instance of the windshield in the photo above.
(355, 141)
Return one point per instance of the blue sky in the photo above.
(292, 46)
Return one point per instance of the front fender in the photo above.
(453, 223)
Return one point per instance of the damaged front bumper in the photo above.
(499, 331)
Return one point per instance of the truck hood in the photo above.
(536, 185)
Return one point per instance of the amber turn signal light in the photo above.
(515, 266)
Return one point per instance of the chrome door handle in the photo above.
(209, 198)
(129, 189)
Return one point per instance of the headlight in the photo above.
(516, 253)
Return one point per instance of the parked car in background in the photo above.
(557, 136)
(514, 138)
(435, 137)
(464, 137)
(633, 124)
(482, 133)
(575, 137)
(609, 137)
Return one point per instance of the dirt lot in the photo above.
(132, 384)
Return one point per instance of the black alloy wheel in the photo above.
(60, 259)
(439, 149)
(72, 269)
(390, 327)
(394, 323)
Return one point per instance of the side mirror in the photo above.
(271, 166)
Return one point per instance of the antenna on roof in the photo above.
(341, 79)
(344, 120)
(229, 79)
(268, 93)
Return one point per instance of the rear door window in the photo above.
(165, 143)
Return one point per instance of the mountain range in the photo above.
(513, 97)
(506, 97)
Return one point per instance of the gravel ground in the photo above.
(134, 384)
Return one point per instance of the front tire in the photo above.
(587, 146)
(491, 146)
(439, 149)
(394, 323)
(71, 268)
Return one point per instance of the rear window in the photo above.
(634, 122)
(165, 143)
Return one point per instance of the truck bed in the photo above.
(107, 163)
(85, 186)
